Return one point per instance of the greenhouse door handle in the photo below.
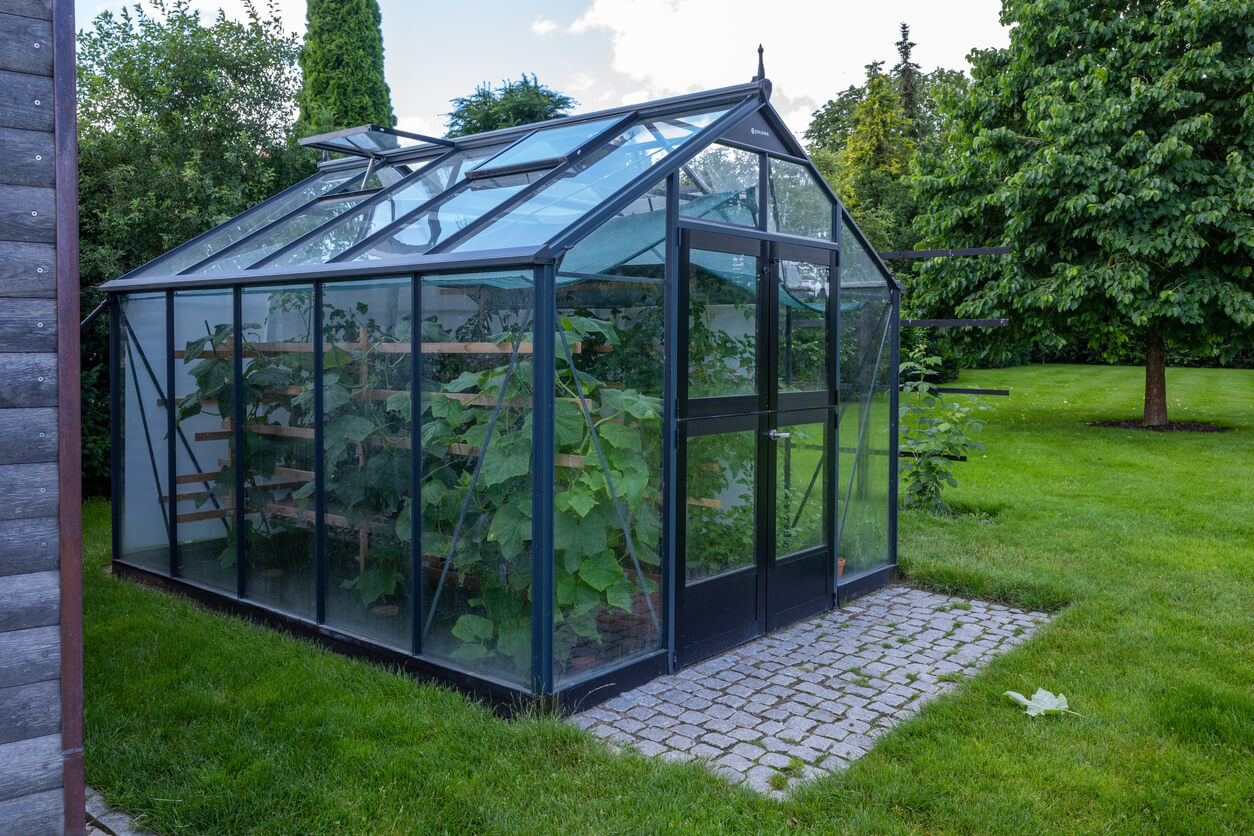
(776, 435)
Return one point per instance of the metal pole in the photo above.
(544, 451)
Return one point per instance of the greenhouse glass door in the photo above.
(755, 461)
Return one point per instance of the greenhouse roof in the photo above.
(401, 203)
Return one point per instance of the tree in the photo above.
(181, 126)
(869, 171)
(906, 72)
(342, 62)
(513, 103)
(1111, 146)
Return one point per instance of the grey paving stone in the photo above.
(796, 693)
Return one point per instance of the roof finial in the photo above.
(761, 69)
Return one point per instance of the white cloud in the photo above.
(813, 48)
(543, 26)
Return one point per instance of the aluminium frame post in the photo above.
(894, 384)
(670, 413)
(171, 450)
(239, 503)
(544, 451)
(319, 463)
(416, 585)
(834, 299)
(116, 419)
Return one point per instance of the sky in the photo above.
(606, 53)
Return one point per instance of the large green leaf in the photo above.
(471, 627)
(600, 570)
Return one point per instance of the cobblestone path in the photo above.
(812, 698)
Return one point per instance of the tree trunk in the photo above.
(1155, 380)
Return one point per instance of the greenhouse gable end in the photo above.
(549, 410)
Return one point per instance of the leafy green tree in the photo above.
(182, 125)
(1111, 146)
(342, 62)
(513, 103)
(870, 170)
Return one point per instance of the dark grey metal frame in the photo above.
(542, 263)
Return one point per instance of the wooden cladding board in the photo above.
(28, 270)
(28, 325)
(27, 214)
(28, 380)
(28, 490)
(30, 435)
(30, 545)
(30, 710)
(25, 101)
(27, 157)
(32, 762)
(30, 766)
(38, 9)
(37, 814)
(25, 44)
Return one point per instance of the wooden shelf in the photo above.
(226, 350)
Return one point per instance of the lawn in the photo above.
(1143, 543)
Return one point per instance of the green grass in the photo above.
(1141, 542)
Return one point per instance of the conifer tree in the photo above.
(342, 62)
(908, 80)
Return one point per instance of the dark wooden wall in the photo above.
(40, 753)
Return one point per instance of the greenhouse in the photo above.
(549, 410)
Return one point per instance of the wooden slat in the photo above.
(213, 435)
(29, 435)
(28, 270)
(30, 710)
(256, 349)
(25, 101)
(32, 655)
(30, 545)
(197, 516)
(271, 486)
(41, 9)
(30, 766)
(27, 380)
(28, 325)
(27, 160)
(954, 323)
(30, 600)
(705, 503)
(27, 213)
(36, 814)
(25, 45)
(28, 490)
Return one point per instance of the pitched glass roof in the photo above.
(480, 197)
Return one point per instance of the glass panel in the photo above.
(470, 203)
(235, 229)
(864, 405)
(857, 267)
(721, 184)
(476, 516)
(312, 216)
(720, 504)
(632, 243)
(608, 524)
(547, 144)
(589, 182)
(800, 487)
(145, 509)
(722, 324)
(367, 369)
(279, 447)
(354, 227)
(799, 205)
(375, 142)
(204, 385)
(801, 341)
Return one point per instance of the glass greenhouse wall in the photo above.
(550, 410)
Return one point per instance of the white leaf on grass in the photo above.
(1042, 702)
